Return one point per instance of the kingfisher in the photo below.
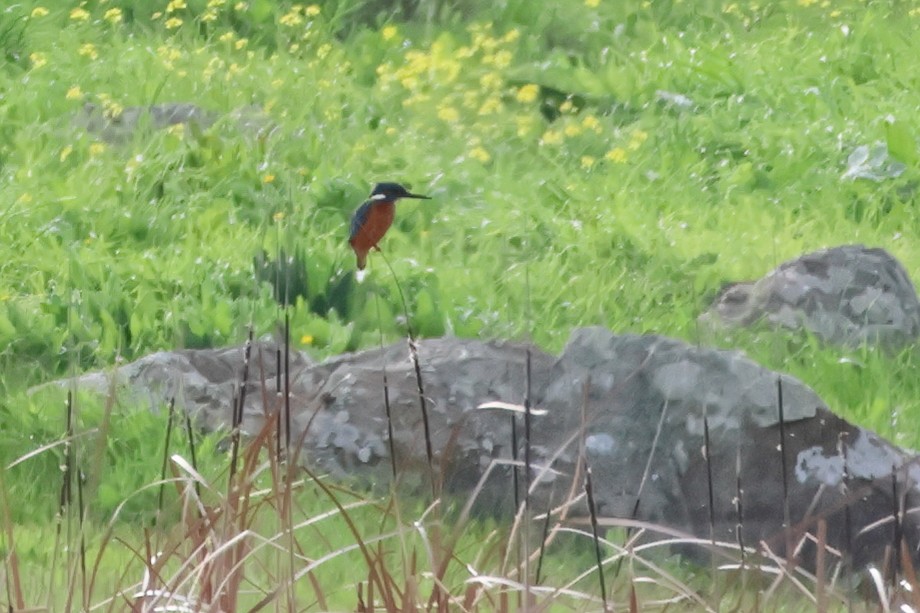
(373, 218)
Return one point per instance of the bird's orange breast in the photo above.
(375, 225)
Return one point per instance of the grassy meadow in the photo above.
(589, 162)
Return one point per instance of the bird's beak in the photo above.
(417, 196)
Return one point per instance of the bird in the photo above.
(373, 218)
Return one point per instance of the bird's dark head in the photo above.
(390, 192)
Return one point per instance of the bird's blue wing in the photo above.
(359, 218)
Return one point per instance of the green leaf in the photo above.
(7, 329)
(427, 315)
(901, 143)
(262, 10)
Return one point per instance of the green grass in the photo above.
(539, 133)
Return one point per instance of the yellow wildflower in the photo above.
(74, 93)
(491, 105)
(592, 4)
(241, 6)
(638, 137)
(573, 130)
(172, 23)
(110, 107)
(279, 216)
(175, 5)
(96, 149)
(491, 80)
(323, 50)
(39, 11)
(168, 53)
(389, 32)
(38, 59)
(291, 19)
(616, 155)
(587, 162)
(214, 64)
(214, 4)
(65, 152)
(480, 154)
(306, 339)
(525, 126)
(448, 114)
(113, 16)
(502, 59)
(511, 36)
(241, 43)
(527, 93)
(88, 50)
(25, 198)
(471, 98)
(551, 137)
(416, 100)
(566, 106)
(177, 129)
(209, 15)
(487, 43)
(268, 178)
(312, 10)
(226, 37)
(590, 122)
(79, 14)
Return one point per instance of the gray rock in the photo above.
(849, 296)
(122, 127)
(634, 408)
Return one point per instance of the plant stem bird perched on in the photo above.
(373, 218)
